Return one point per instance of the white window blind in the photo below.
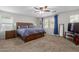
(6, 23)
(74, 18)
(52, 23)
(49, 25)
(46, 25)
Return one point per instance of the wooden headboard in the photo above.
(22, 24)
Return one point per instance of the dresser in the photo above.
(10, 34)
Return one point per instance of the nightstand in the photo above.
(10, 34)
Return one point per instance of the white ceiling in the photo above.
(30, 11)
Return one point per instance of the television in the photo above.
(69, 27)
(73, 27)
(76, 27)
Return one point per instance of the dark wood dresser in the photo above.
(10, 34)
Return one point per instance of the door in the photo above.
(61, 29)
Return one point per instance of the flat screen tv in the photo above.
(75, 27)
(69, 27)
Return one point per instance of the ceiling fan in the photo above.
(43, 9)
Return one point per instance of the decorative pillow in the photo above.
(24, 27)
(30, 26)
(18, 27)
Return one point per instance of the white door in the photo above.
(61, 29)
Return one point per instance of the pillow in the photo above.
(18, 27)
(24, 27)
(30, 26)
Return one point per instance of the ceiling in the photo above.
(30, 11)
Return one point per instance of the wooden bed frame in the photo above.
(32, 36)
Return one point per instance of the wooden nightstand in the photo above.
(10, 34)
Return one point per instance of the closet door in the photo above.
(61, 29)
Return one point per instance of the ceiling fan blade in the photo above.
(47, 10)
(36, 11)
(41, 8)
(53, 11)
(36, 8)
(45, 7)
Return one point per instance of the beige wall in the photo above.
(64, 18)
(19, 18)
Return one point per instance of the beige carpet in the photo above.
(44, 44)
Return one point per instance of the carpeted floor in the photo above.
(44, 44)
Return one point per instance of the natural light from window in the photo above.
(6, 23)
(74, 18)
(49, 23)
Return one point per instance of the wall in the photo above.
(64, 18)
(19, 18)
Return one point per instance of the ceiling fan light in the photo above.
(41, 12)
(45, 7)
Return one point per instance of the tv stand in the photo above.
(69, 35)
(73, 32)
(76, 40)
(74, 37)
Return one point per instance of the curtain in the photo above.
(48, 24)
(56, 24)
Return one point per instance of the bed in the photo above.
(27, 32)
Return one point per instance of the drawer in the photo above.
(10, 34)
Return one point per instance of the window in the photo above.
(6, 23)
(52, 23)
(74, 18)
(49, 23)
(46, 23)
